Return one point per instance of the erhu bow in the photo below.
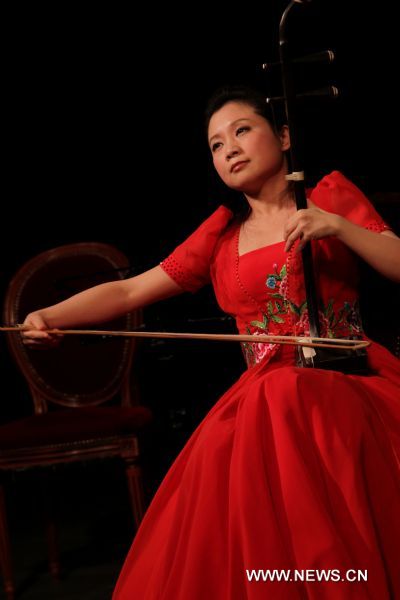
(223, 337)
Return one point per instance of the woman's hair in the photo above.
(246, 95)
(239, 93)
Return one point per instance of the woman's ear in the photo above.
(285, 138)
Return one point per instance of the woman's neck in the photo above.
(273, 199)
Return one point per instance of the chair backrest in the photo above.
(83, 370)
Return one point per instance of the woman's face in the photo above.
(246, 151)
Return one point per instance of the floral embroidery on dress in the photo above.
(281, 315)
(255, 351)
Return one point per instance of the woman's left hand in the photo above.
(311, 223)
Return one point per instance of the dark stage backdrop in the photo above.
(103, 131)
(103, 140)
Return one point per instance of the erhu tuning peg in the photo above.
(325, 56)
(330, 91)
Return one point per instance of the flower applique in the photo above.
(277, 305)
(281, 315)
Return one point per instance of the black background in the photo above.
(103, 113)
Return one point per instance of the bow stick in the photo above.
(310, 342)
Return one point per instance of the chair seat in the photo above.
(63, 426)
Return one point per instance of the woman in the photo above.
(293, 469)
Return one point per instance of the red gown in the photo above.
(294, 469)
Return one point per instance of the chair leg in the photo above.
(50, 524)
(135, 487)
(5, 549)
(52, 548)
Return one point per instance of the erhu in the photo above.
(347, 361)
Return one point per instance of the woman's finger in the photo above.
(293, 237)
(47, 341)
(35, 334)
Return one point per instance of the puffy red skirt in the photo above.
(293, 475)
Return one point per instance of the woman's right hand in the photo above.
(35, 335)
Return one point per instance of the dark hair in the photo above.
(233, 199)
(246, 95)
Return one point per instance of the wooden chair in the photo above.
(70, 385)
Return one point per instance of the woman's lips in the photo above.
(238, 166)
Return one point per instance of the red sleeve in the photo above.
(189, 263)
(338, 195)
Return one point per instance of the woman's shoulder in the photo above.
(221, 216)
(337, 194)
(333, 182)
(211, 229)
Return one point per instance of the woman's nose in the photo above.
(232, 151)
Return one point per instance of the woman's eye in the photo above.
(241, 130)
(215, 146)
